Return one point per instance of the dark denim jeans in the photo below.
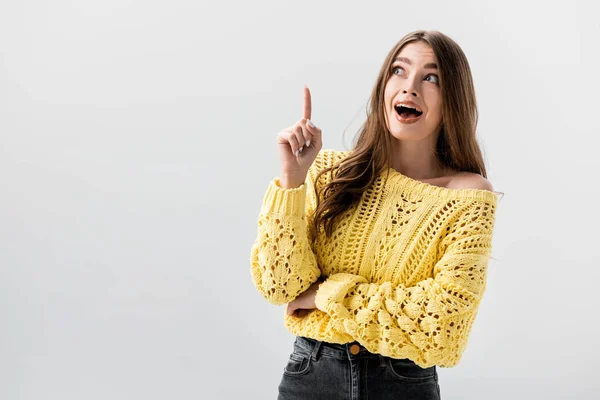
(321, 370)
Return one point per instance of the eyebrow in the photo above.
(407, 61)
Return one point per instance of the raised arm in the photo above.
(283, 264)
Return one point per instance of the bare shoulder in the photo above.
(470, 180)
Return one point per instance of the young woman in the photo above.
(381, 252)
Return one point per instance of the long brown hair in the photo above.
(456, 146)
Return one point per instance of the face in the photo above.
(413, 99)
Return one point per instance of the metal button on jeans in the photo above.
(354, 349)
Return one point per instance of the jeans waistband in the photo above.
(318, 348)
(332, 349)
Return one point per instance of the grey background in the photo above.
(137, 139)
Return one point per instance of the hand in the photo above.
(305, 303)
(298, 146)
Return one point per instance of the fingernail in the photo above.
(308, 143)
(297, 152)
(301, 149)
(310, 123)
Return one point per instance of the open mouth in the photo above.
(407, 111)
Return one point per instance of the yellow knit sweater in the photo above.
(405, 268)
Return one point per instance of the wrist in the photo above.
(290, 181)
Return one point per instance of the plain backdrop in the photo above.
(137, 139)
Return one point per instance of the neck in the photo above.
(416, 159)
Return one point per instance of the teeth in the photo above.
(407, 106)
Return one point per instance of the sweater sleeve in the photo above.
(283, 264)
(430, 321)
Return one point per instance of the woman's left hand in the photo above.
(305, 303)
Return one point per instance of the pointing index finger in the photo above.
(307, 106)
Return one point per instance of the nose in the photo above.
(411, 85)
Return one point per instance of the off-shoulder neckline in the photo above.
(424, 188)
(419, 187)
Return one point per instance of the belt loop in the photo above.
(315, 350)
(382, 362)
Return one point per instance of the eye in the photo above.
(394, 69)
(435, 78)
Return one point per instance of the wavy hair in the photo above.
(456, 146)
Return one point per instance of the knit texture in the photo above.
(405, 268)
